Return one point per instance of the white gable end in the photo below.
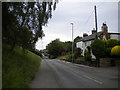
(79, 45)
(115, 36)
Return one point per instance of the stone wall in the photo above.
(107, 62)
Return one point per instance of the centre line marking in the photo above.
(93, 79)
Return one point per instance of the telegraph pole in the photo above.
(96, 37)
(95, 18)
(42, 47)
(72, 41)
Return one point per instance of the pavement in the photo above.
(54, 73)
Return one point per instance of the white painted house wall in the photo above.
(114, 36)
(87, 43)
(79, 44)
(83, 45)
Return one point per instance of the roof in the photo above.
(92, 36)
(114, 33)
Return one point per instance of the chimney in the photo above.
(104, 28)
(93, 31)
(85, 34)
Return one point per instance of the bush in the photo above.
(80, 60)
(109, 44)
(115, 51)
(37, 52)
(78, 52)
(112, 43)
(108, 51)
(98, 48)
(67, 57)
(87, 55)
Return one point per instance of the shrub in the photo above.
(69, 57)
(89, 49)
(98, 49)
(115, 51)
(108, 51)
(87, 55)
(79, 60)
(109, 44)
(78, 52)
(112, 43)
(37, 52)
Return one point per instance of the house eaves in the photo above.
(91, 37)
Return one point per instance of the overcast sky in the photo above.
(82, 15)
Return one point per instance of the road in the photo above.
(55, 73)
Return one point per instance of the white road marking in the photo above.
(67, 62)
(83, 65)
(97, 81)
(93, 79)
(76, 64)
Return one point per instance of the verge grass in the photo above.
(18, 67)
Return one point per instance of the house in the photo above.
(88, 39)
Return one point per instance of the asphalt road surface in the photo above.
(54, 73)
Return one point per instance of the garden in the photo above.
(107, 53)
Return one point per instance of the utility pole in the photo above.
(96, 37)
(95, 18)
(42, 47)
(72, 41)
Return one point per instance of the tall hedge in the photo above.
(98, 49)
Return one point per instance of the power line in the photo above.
(89, 18)
(100, 4)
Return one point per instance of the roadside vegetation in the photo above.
(22, 24)
(19, 67)
(105, 51)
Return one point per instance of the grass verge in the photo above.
(18, 67)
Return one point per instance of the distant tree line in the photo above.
(22, 22)
(57, 48)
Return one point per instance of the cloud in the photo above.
(82, 15)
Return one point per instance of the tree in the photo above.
(68, 46)
(30, 16)
(78, 38)
(98, 49)
(55, 48)
(25, 39)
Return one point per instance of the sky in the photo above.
(81, 14)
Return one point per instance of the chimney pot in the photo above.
(93, 31)
(85, 34)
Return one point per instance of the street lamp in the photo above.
(72, 41)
